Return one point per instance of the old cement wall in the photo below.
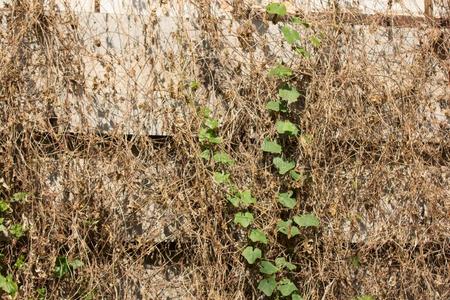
(138, 58)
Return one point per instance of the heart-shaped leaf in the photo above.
(212, 123)
(276, 106)
(281, 263)
(294, 231)
(4, 206)
(8, 285)
(257, 235)
(280, 71)
(286, 127)
(307, 220)
(286, 287)
(271, 146)
(296, 176)
(251, 254)
(290, 35)
(296, 297)
(205, 154)
(206, 135)
(286, 199)
(290, 95)
(267, 267)
(20, 196)
(244, 219)
(223, 158)
(287, 228)
(282, 165)
(246, 198)
(267, 286)
(205, 112)
(276, 9)
(234, 200)
(221, 177)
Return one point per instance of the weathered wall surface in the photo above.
(139, 56)
(137, 59)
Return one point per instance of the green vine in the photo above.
(274, 280)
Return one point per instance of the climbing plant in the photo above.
(275, 272)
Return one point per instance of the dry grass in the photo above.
(132, 206)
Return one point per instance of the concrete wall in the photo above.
(139, 56)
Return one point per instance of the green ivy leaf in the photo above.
(267, 267)
(223, 158)
(276, 9)
(303, 52)
(221, 177)
(4, 206)
(286, 127)
(205, 112)
(282, 165)
(17, 230)
(267, 286)
(286, 199)
(295, 176)
(246, 198)
(280, 71)
(307, 220)
(8, 285)
(64, 266)
(281, 263)
(244, 219)
(271, 146)
(289, 94)
(234, 200)
(206, 135)
(19, 262)
(205, 154)
(296, 297)
(276, 106)
(215, 140)
(287, 228)
(212, 123)
(257, 235)
(251, 254)
(315, 41)
(284, 226)
(20, 196)
(290, 35)
(294, 231)
(286, 287)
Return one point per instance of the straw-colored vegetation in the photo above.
(318, 175)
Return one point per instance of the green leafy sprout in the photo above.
(276, 9)
(64, 266)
